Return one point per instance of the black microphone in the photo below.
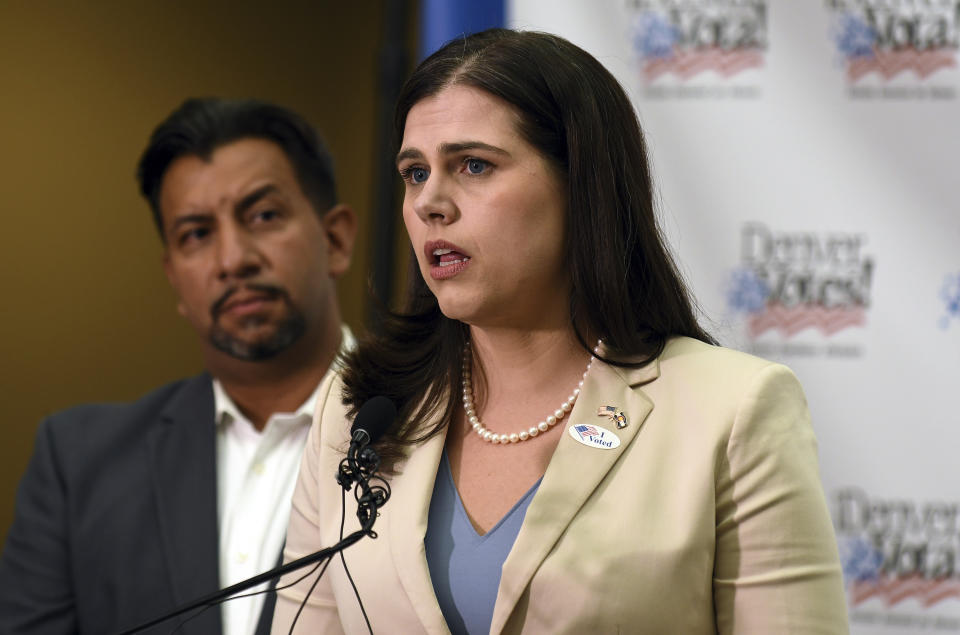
(375, 416)
(373, 419)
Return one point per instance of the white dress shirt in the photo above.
(256, 474)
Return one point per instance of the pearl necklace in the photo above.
(474, 419)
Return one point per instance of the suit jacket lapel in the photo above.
(265, 621)
(182, 449)
(572, 475)
(407, 526)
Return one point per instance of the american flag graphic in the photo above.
(586, 431)
(892, 590)
(792, 320)
(687, 63)
(888, 64)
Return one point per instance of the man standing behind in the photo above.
(127, 511)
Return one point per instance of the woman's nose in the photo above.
(434, 203)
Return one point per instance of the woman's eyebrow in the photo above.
(460, 146)
(409, 153)
(452, 148)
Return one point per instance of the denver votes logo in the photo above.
(890, 48)
(688, 37)
(793, 281)
(897, 551)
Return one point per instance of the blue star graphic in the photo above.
(860, 559)
(950, 294)
(747, 292)
(655, 36)
(855, 38)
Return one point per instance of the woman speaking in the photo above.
(572, 452)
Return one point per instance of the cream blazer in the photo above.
(709, 517)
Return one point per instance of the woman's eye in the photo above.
(476, 166)
(414, 175)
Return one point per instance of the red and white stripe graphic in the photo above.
(790, 321)
(686, 64)
(891, 63)
(892, 590)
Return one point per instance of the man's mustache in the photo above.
(272, 291)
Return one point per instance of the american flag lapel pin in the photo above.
(614, 414)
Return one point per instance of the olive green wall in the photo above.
(86, 311)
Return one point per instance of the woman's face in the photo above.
(484, 211)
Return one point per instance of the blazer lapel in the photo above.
(574, 472)
(265, 621)
(407, 526)
(182, 450)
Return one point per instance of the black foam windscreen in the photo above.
(374, 418)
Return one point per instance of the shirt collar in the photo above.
(225, 409)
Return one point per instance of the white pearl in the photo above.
(551, 420)
(558, 413)
(494, 439)
(474, 419)
(576, 393)
(567, 406)
(523, 436)
(471, 412)
(514, 437)
(534, 431)
(543, 426)
(486, 435)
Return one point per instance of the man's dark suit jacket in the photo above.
(116, 519)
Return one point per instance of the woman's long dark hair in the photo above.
(625, 285)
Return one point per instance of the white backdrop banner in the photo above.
(806, 157)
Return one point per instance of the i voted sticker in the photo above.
(595, 436)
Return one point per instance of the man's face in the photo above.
(251, 260)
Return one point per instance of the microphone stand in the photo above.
(363, 470)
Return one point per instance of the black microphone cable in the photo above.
(369, 499)
(343, 518)
(370, 515)
(364, 484)
(324, 562)
(223, 595)
(360, 466)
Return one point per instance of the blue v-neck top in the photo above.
(465, 566)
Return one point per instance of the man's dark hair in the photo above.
(200, 126)
(625, 285)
